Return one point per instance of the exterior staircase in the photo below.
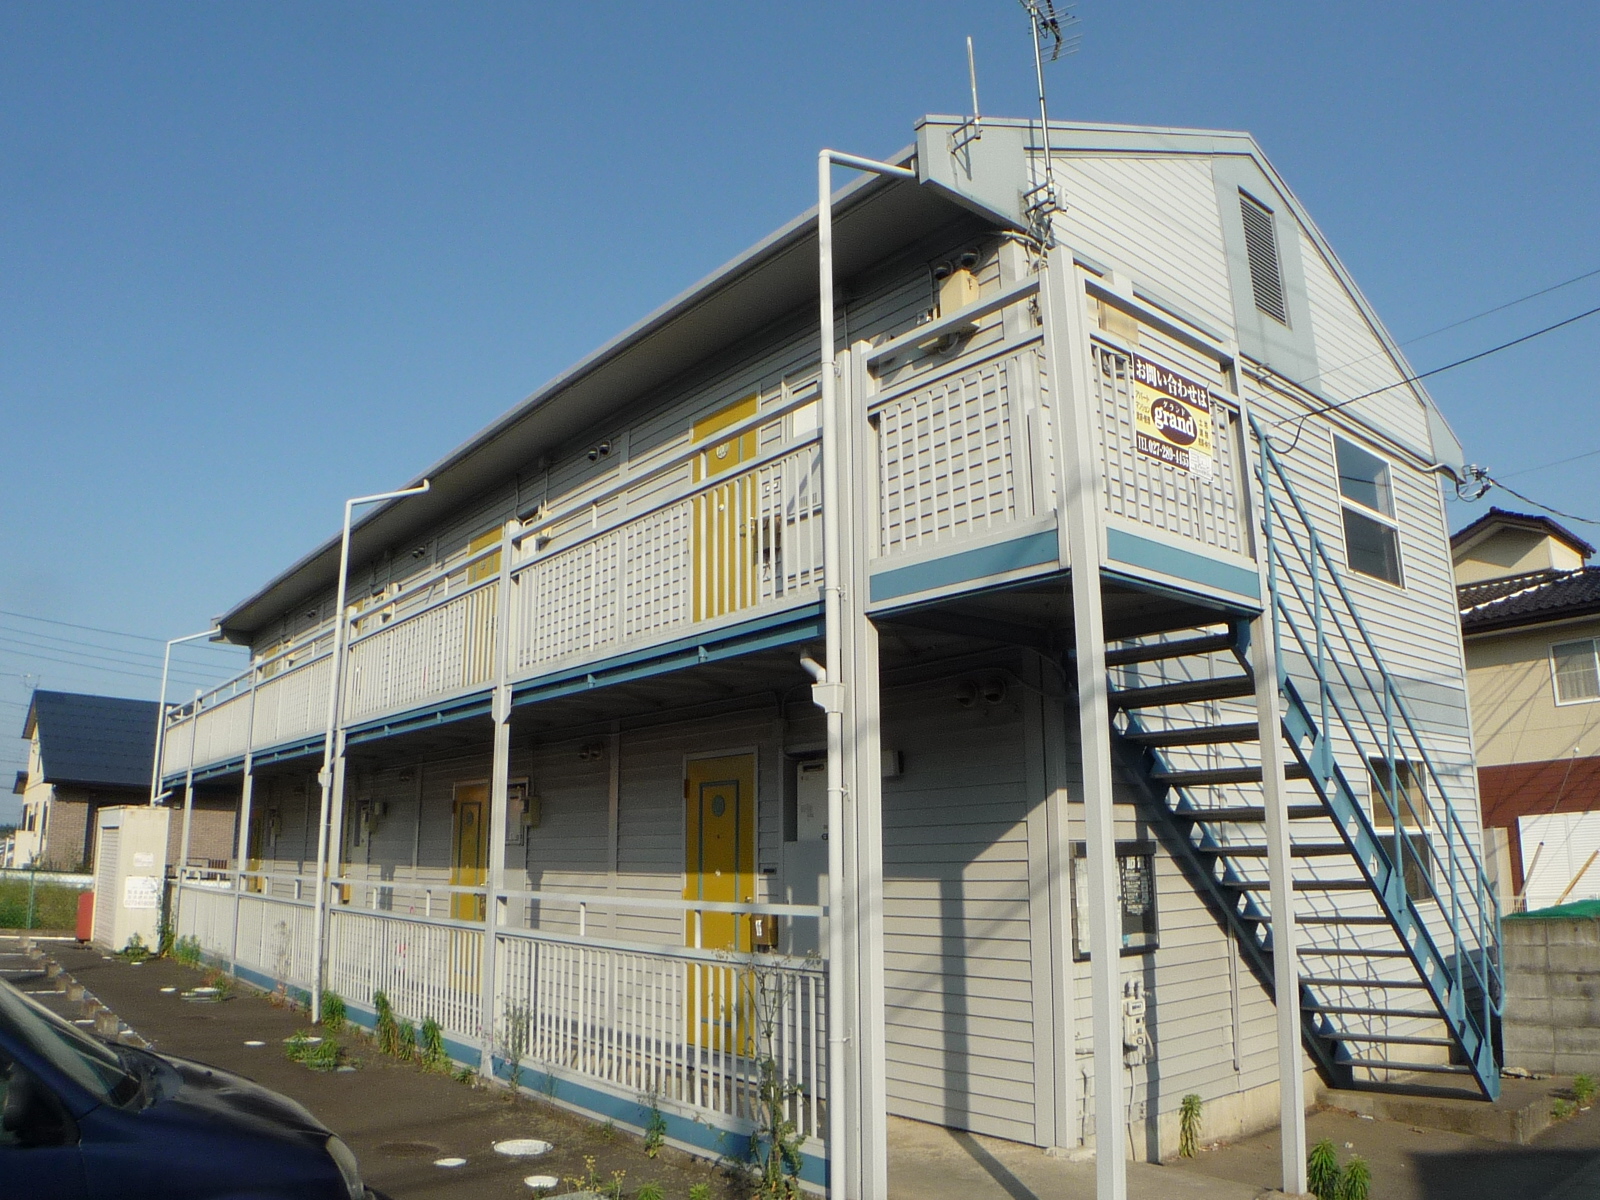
(1398, 932)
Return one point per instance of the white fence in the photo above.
(690, 1027)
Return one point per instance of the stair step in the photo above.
(1216, 776)
(1433, 1068)
(1351, 952)
(1319, 850)
(1196, 735)
(1351, 1010)
(1157, 651)
(1190, 691)
(1339, 919)
(1387, 1039)
(1247, 814)
(1335, 981)
(1300, 885)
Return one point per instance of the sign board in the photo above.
(141, 891)
(1172, 420)
(143, 859)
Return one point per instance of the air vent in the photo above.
(1261, 246)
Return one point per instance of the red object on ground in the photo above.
(85, 916)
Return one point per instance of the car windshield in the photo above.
(92, 1065)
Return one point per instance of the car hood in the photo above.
(236, 1100)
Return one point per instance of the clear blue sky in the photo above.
(257, 258)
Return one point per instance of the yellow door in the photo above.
(723, 551)
(720, 866)
(255, 847)
(469, 851)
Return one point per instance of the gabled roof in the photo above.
(1497, 519)
(1531, 599)
(99, 741)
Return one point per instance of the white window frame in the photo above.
(1555, 685)
(1375, 514)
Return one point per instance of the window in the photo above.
(1405, 797)
(1577, 671)
(1136, 873)
(1371, 536)
(1261, 248)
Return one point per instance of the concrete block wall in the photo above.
(1552, 1002)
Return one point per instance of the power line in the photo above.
(1555, 512)
(150, 672)
(1300, 421)
(152, 676)
(143, 637)
(1560, 462)
(136, 657)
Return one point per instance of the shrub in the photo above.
(406, 1042)
(1357, 1180)
(431, 1046)
(1189, 1126)
(1323, 1175)
(333, 1014)
(386, 1030)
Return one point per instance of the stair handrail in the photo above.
(1487, 925)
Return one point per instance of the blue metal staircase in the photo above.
(1398, 931)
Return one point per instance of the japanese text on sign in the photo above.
(1172, 418)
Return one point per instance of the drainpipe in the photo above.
(161, 709)
(828, 689)
(325, 776)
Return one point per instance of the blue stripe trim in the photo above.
(763, 633)
(475, 704)
(1135, 551)
(980, 562)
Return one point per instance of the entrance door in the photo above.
(469, 850)
(720, 866)
(722, 549)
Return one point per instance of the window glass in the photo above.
(1363, 477)
(1577, 673)
(92, 1065)
(1407, 798)
(1371, 547)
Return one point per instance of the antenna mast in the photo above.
(1046, 24)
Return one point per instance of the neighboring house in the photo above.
(1530, 617)
(581, 788)
(85, 753)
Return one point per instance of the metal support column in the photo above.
(1067, 352)
(499, 790)
(247, 784)
(188, 813)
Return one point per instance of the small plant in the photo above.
(185, 950)
(1189, 1126)
(221, 981)
(431, 1046)
(651, 1191)
(135, 950)
(589, 1181)
(333, 1011)
(164, 943)
(1583, 1090)
(614, 1188)
(465, 1075)
(655, 1133)
(319, 1054)
(1357, 1180)
(514, 1041)
(1323, 1175)
(1562, 1109)
(700, 1191)
(606, 1132)
(386, 1029)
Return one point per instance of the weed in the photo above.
(651, 1191)
(1562, 1109)
(764, 995)
(700, 1191)
(406, 1047)
(319, 1054)
(589, 1181)
(514, 1040)
(386, 1029)
(614, 1188)
(221, 981)
(1583, 1090)
(1357, 1180)
(606, 1132)
(333, 1012)
(465, 1075)
(655, 1132)
(164, 942)
(431, 1046)
(1323, 1175)
(1189, 1125)
(185, 950)
(135, 950)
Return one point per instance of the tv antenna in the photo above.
(1051, 28)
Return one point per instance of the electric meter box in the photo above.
(130, 863)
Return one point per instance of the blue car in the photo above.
(84, 1120)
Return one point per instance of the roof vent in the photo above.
(1261, 247)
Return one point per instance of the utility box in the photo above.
(130, 860)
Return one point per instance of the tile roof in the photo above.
(96, 740)
(1528, 599)
(1535, 522)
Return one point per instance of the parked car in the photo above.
(83, 1119)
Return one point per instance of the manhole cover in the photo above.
(410, 1149)
(449, 1162)
(542, 1183)
(522, 1148)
